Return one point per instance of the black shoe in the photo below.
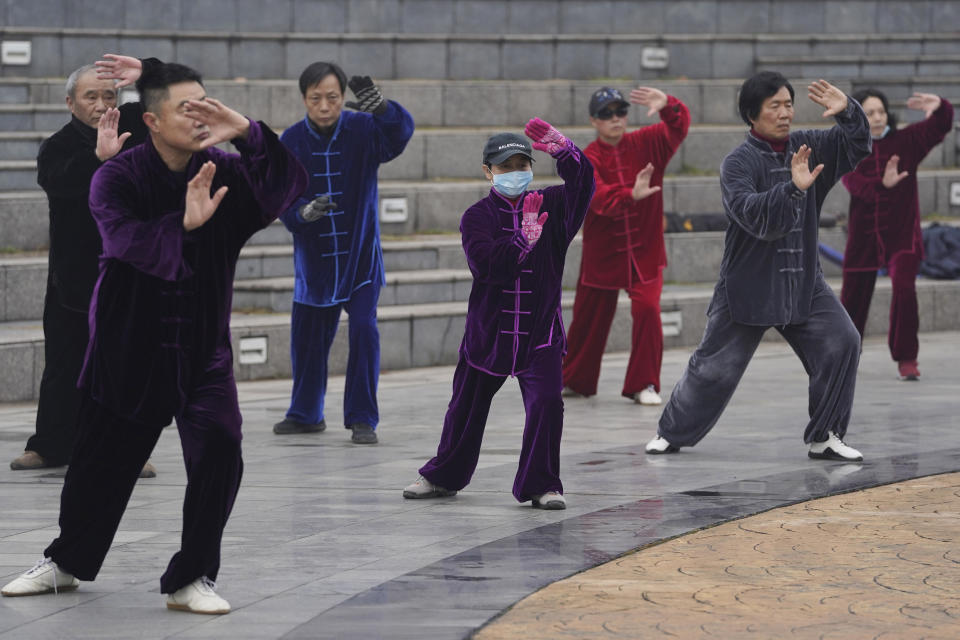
(287, 426)
(363, 434)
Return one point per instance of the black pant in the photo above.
(65, 334)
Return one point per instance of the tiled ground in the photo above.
(321, 545)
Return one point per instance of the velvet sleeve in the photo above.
(491, 258)
(766, 215)
(291, 215)
(670, 132)
(153, 246)
(607, 198)
(840, 148)
(576, 192)
(864, 188)
(923, 136)
(65, 171)
(392, 131)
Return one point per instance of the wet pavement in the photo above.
(321, 544)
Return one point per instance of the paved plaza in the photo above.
(321, 544)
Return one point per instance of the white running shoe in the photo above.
(45, 577)
(833, 448)
(648, 396)
(660, 445)
(198, 597)
(423, 488)
(550, 500)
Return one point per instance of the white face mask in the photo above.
(886, 130)
(512, 184)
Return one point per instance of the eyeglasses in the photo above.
(607, 114)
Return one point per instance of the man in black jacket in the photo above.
(65, 166)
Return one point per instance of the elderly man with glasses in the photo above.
(623, 240)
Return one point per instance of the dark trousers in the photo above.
(904, 315)
(311, 335)
(463, 426)
(109, 454)
(827, 345)
(593, 311)
(65, 333)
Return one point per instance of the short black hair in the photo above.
(154, 83)
(757, 89)
(863, 94)
(317, 71)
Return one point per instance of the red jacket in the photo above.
(623, 238)
(884, 222)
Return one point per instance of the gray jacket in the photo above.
(770, 262)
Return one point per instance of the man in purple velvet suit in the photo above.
(516, 243)
(159, 330)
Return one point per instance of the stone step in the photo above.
(430, 334)
(871, 66)
(20, 145)
(489, 55)
(439, 103)
(427, 269)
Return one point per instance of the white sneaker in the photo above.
(45, 577)
(648, 396)
(660, 445)
(198, 597)
(833, 448)
(550, 500)
(423, 488)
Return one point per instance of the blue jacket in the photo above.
(339, 253)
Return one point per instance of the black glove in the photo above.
(317, 208)
(369, 98)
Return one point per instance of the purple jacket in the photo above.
(160, 312)
(514, 306)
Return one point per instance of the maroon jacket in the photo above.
(884, 222)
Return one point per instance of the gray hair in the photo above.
(75, 77)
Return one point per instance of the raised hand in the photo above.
(926, 102)
(123, 70)
(109, 143)
(223, 122)
(545, 137)
(368, 94)
(649, 97)
(200, 205)
(317, 208)
(892, 174)
(803, 177)
(531, 226)
(827, 96)
(641, 187)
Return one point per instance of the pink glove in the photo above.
(545, 137)
(532, 225)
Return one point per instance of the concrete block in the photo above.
(571, 266)
(706, 149)
(427, 16)
(442, 212)
(927, 194)
(208, 15)
(421, 59)
(24, 221)
(946, 308)
(409, 260)
(829, 70)
(424, 292)
(581, 60)
(24, 292)
(896, 47)
(720, 105)
(943, 198)
(436, 340)
(265, 15)
(451, 256)
(286, 105)
(14, 94)
(102, 14)
(850, 16)
(373, 16)
(18, 179)
(552, 102)
(837, 202)
(257, 58)
(631, 17)
(320, 16)
(683, 16)
(257, 102)
(411, 163)
(301, 53)
(160, 48)
(776, 47)
(911, 17)
(528, 60)
(474, 60)
(797, 17)
(480, 17)
(624, 58)
(19, 149)
(853, 46)
(277, 266)
(523, 13)
(485, 104)
(936, 68)
(36, 13)
(733, 59)
(689, 59)
(698, 195)
(81, 50)
(395, 347)
(278, 352)
(887, 70)
(926, 303)
(586, 17)
(17, 373)
(424, 100)
(49, 120)
(940, 45)
(210, 57)
(454, 155)
(156, 15)
(944, 16)
(743, 16)
(367, 58)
